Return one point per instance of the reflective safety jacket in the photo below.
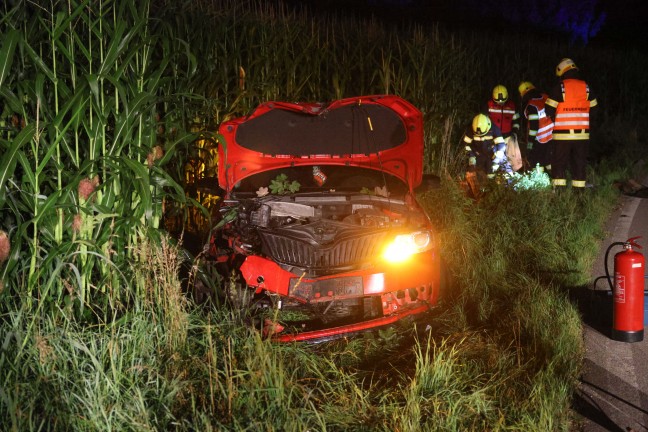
(572, 118)
(540, 127)
(504, 116)
(487, 152)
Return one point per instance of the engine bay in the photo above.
(306, 231)
(319, 224)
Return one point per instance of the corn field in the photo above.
(107, 125)
(92, 113)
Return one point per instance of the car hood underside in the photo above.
(383, 133)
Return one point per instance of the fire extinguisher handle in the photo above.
(633, 242)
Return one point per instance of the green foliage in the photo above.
(515, 255)
(281, 185)
(90, 108)
(98, 104)
(503, 351)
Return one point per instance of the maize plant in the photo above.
(101, 94)
(91, 113)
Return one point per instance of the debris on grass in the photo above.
(532, 180)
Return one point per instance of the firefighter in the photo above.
(569, 105)
(485, 148)
(536, 133)
(502, 111)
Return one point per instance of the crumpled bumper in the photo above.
(318, 336)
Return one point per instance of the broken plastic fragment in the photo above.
(381, 191)
(319, 176)
(271, 328)
(263, 191)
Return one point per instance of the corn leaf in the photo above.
(39, 62)
(10, 41)
(28, 173)
(10, 158)
(10, 99)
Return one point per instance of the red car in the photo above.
(320, 228)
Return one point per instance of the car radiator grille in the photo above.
(308, 254)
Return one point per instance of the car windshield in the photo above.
(323, 178)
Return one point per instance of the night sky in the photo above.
(618, 23)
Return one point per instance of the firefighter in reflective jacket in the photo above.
(569, 106)
(485, 147)
(502, 111)
(537, 132)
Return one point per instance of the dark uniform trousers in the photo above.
(570, 154)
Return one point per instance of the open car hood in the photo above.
(381, 132)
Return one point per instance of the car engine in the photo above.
(319, 235)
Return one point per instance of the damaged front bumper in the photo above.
(389, 294)
(352, 329)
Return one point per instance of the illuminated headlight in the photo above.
(406, 245)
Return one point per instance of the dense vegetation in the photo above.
(102, 104)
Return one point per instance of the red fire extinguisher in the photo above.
(628, 293)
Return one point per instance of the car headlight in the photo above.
(405, 245)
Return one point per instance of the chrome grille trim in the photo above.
(346, 252)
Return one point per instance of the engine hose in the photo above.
(607, 272)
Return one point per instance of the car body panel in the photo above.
(320, 247)
(381, 132)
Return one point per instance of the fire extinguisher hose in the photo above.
(607, 271)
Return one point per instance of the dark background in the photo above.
(606, 23)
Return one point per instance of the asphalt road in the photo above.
(613, 392)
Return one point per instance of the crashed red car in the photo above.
(320, 223)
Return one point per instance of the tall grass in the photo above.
(101, 105)
(59, 374)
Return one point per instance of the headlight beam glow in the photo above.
(405, 245)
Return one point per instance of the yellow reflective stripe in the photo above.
(533, 133)
(534, 117)
(593, 103)
(499, 140)
(559, 182)
(467, 149)
(578, 183)
(570, 136)
(467, 139)
(551, 103)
